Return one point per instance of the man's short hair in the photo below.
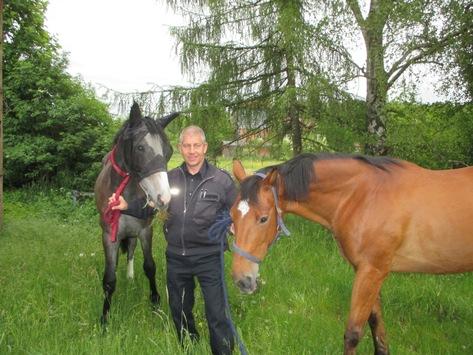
(192, 130)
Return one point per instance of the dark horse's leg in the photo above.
(109, 277)
(368, 281)
(149, 265)
(378, 331)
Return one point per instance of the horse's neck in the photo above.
(132, 188)
(336, 182)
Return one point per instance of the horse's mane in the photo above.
(298, 172)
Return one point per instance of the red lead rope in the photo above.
(112, 217)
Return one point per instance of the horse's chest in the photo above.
(133, 226)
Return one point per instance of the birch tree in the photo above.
(397, 36)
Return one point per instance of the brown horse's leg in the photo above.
(149, 266)
(368, 281)
(378, 331)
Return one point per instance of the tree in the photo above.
(397, 36)
(457, 69)
(263, 59)
(55, 128)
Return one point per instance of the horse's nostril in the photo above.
(160, 202)
(163, 201)
(245, 284)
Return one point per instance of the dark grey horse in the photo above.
(136, 168)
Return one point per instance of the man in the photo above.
(200, 192)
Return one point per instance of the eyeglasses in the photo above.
(196, 146)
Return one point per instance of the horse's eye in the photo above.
(263, 219)
(140, 148)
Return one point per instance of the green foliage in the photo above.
(339, 119)
(457, 72)
(435, 136)
(55, 128)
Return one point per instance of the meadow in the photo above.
(51, 293)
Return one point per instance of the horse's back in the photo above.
(435, 211)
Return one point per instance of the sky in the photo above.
(126, 46)
(121, 44)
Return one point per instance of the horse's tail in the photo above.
(124, 245)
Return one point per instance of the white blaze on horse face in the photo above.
(243, 207)
(156, 185)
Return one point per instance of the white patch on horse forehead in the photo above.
(155, 142)
(243, 207)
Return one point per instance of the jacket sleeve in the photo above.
(230, 192)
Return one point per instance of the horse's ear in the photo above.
(238, 170)
(135, 114)
(271, 177)
(164, 121)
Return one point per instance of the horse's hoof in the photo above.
(155, 299)
(103, 322)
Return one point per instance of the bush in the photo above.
(437, 136)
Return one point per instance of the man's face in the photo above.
(193, 150)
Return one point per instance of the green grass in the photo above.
(51, 295)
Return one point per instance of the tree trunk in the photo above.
(376, 77)
(296, 131)
(376, 92)
(293, 114)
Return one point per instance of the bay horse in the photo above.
(136, 168)
(385, 215)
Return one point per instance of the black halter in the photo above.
(282, 229)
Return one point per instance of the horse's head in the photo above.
(255, 225)
(143, 150)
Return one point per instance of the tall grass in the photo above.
(51, 295)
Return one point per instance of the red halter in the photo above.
(112, 217)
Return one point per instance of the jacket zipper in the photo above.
(184, 213)
(185, 206)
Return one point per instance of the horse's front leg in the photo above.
(109, 277)
(378, 331)
(366, 288)
(149, 265)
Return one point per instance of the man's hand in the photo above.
(122, 204)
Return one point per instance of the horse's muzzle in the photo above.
(163, 202)
(246, 284)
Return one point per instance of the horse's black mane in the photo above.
(298, 173)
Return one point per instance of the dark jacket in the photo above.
(191, 213)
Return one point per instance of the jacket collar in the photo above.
(203, 169)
